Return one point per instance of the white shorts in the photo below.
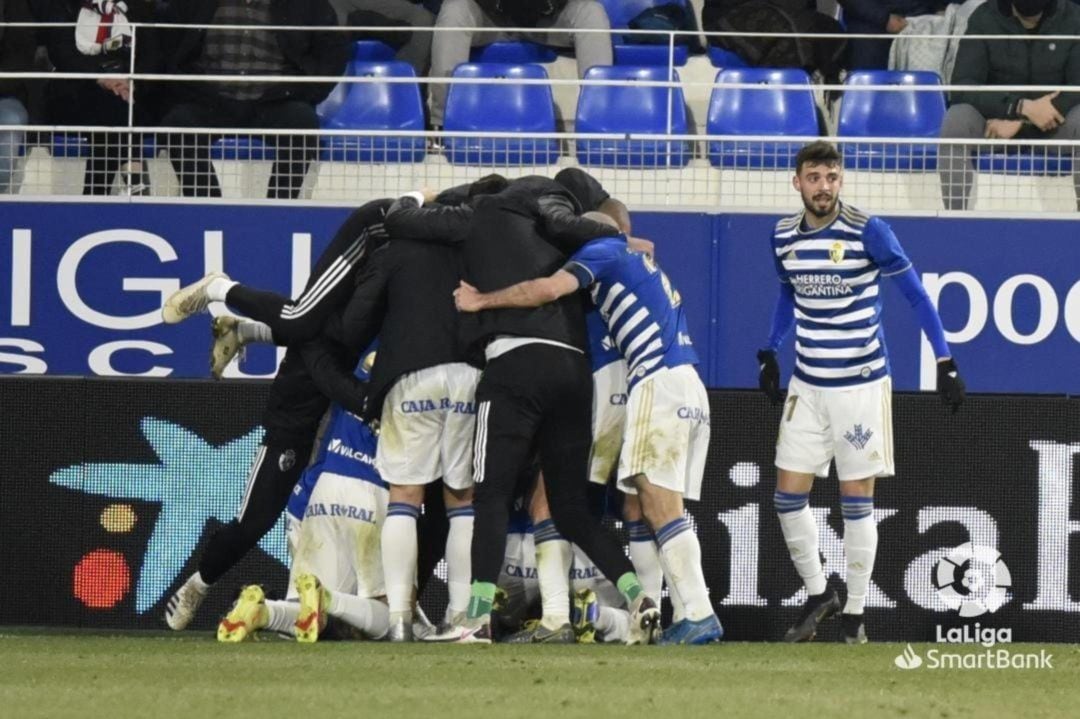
(426, 431)
(608, 420)
(667, 432)
(852, 426)
(339, 537)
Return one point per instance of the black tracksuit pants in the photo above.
(332, 281)
(536, 398)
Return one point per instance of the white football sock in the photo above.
(252, 331)
(368, 615)
(613, 623)
(553, 561)
(680, 555)
(678, 608)
(860, 546)
(282, 616)
(218, 288)
(646, 559)
(459, 558)
(399, 547)
(801, 536)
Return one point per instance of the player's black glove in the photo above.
(949, 385)
(769, 375)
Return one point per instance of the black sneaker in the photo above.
(537, 633)
(817, 609)
(854, 631)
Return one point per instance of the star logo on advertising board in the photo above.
(194, 482)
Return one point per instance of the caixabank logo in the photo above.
(973, 580)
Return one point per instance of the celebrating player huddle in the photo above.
(535, 360)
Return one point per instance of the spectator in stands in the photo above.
(412, 47)
(255, 52)
(448, 49)
(99, 44)
(16, 55)
(880, 16)
(1006, 114)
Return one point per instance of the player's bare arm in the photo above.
(531, 293)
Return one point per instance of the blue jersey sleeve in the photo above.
(596, 260)
(884, 249)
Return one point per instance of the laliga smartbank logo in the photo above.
(973, 580)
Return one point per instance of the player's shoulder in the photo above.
(787, 226)
(853, 217)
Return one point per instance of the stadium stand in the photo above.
(631, 108)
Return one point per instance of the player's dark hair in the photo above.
(489, 185)
(819, 152)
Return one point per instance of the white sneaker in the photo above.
(471, 631)
(644, 622)
(183, 605)
(227, 344)
(189, 300)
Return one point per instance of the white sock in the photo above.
(678, 607)
(195, 581)
(399, 547)
(283, 616)
(860, 546)
(646, 559)
(459, 557)
(553, 561)
(801, 536)
(613, 623)
(218, 288)
(368, 615)
(680, 555)
(252, 331)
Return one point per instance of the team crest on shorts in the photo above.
(836, 253)
(859, 437)
(286, 460)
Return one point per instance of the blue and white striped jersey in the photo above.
(348, 449)
(641, 309)
(602, 349)
(835, 273)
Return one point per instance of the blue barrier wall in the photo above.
(80, 285)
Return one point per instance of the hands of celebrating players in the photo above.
(769, 375)
(467, 298)
(949, 384)
(640, 244)
(429, 194)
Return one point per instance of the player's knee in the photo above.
(409, 493)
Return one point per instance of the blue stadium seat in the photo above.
(620, 13)
(725, 58)
(372, 51)
(523, 109)
(513, 52)
(69, 145)
(891, 113)
(1026, 161)
(760, 111)
(241, 148)
(631, 108)
(380, 106)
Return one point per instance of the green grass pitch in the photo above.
(156, 675)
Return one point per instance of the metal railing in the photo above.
(693, 170)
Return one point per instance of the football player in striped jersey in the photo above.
(830, 259)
